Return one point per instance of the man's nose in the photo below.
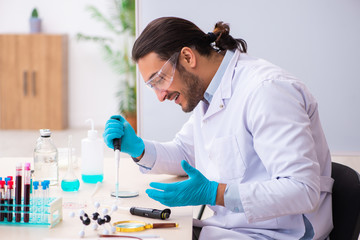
(161, 94)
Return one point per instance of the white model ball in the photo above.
(114, 208)
(72, 214)
(95, 226)
(97, 205)
(105, 211)
(81, 212)
(82, 233)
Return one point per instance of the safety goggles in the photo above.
(164, 77)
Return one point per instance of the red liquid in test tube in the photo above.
(26, 191)
(2, 200)
(10, 200)
(18, 182)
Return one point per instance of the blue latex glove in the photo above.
(118, 127)
(197, 190)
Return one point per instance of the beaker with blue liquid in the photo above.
(70, 183)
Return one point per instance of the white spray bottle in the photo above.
(92, 157)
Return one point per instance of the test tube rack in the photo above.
(48, 214)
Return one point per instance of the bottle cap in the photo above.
(7, 179)
(2, 184)
(45, 132)
(92, 133)
(27, 166)
(44, 185)
(10, 184)
(36, 185)
(10, 177)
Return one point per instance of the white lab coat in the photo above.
(262, 133)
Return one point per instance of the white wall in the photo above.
(317, 41)
(92, 84)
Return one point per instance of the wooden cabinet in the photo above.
(33, 81)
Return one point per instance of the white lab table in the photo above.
(130, 178)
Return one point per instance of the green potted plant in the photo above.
(35, 22)
(121, 24)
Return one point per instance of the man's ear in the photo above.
(188, 57)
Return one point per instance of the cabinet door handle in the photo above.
(34, 83)
(25, 83)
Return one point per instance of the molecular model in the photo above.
(98, 220)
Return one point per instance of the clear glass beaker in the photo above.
(70, 183)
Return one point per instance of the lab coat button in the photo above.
(221, 106)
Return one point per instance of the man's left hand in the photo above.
(197, 190)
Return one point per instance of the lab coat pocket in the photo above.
(227, 157)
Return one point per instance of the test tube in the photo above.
(31, 181)
(35, 200)
(18, 182)
(26, 191)
(47, 198)
(2, 200)
(47, 191)
(44, 200)
(6, 209)
(10, 200)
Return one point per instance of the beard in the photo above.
(193, 90)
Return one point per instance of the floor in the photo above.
(21, 143)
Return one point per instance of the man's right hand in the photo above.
(118, 127)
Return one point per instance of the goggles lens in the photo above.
(164, 77)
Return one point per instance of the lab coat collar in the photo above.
(216, 80)
(224, 90)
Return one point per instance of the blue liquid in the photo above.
(92, 178)
(70, 185)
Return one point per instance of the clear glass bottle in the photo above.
(46, 163)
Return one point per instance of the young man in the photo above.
(253, 148)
